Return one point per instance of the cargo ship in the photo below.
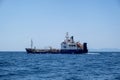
(68, 46)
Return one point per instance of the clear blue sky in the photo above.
(96, 22)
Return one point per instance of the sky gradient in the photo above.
(96, 22)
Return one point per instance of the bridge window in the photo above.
(64, 46)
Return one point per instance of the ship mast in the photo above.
(31, 44)
(67, 36)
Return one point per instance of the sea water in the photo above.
(91, 66)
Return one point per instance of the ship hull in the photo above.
(57, 51)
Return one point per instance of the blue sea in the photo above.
(91, 66)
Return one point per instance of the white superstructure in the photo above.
(70, 44)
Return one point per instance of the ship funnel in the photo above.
(85, 50)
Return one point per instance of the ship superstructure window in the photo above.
(72, 45)
(64, 46)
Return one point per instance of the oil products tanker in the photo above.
(68, 46)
